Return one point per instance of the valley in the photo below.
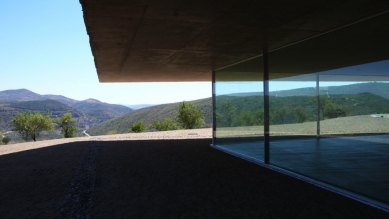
(100, 118)
(88, 113)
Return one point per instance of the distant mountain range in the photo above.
(377, 88)
(26, 95)
(103, 117)
(139, 106)
(88, 112)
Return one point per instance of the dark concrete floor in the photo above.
(158, 179)
(359, 164)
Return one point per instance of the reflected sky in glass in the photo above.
(370, 72)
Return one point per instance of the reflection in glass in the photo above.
(341, 92)
(329, 108)
(239, 109)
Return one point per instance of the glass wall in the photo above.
(331, 125)
(292, 102)
(238, 92)
(328, 104)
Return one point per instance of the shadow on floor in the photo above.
(160, 179)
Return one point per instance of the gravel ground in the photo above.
(178, 134)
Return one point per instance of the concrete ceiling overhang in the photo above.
(338, 54)
(185, 40)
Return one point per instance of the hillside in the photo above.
(60, 98)
(9, 110)
(359, 104)
(361, 99)
(20, 95)
(98, 111)
(88, 112)
(149, 114)
(377, 88)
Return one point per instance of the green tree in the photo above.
(259, 117)
(5, 140)
(165, 124)
(228, 111)
(333, 110)
(137, 127)
(247, 118)
(190, 116)
(344, 110)
(31, 123)
(279, 114)
(21, 124)
(301, 114)
(324, 100)
(67, 124)
(330, 110)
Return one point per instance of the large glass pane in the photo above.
(239, 109)
(335, 85)
(293, 110)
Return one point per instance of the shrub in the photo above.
(165, 124)
(137, 127)
(113, 132)
(333, 110)
(5, 140)
(190, 116)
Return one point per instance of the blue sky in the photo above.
(44, 48)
